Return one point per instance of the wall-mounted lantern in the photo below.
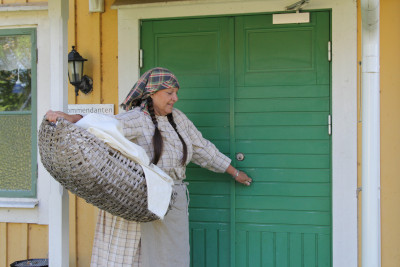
(75, 73)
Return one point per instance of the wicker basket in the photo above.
(92, 170)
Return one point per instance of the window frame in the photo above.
(32, 193)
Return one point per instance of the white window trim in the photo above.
(32, 210)
(27, 203)
(344, 93)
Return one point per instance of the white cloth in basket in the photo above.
(159, 184)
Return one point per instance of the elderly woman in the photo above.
(172, 141)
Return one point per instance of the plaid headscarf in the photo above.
(150, 82)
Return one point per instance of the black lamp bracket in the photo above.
(86, 85)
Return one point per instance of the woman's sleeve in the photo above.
(130, 123)
(205, 154)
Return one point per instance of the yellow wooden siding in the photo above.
(38, 241)
(72, 230)
(71, 42)
(109, 58)
(390, 132)
(3, 244)
(20, 241)
(13, 1)
(95, 38)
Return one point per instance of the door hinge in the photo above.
(140, 58)
(329, 124)
(37, 55)
(329, 51)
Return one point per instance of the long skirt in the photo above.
(119, 242)
(166, 242)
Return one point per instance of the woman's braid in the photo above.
(172, 122)
(157, 138)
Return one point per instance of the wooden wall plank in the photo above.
(109, 55)
(13, 1)
(17, 242)
(88, 45)
(3, 244)
(85, 226)
(390, 142)
(72, 230)
(38, 243)
(71, 42)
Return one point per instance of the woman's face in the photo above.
(164, 100)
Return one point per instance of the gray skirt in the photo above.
(166, 242)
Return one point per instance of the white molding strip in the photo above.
(24, 7)
(23, 203)
(371, 157)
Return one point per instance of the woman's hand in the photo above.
(243, 178)
(240, 177)
(52, 116)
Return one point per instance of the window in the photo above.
(18, 145)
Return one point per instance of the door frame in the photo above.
(344, 91)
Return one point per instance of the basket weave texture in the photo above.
(92, 170)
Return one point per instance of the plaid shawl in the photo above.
(150, 82)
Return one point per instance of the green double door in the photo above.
(262, 90)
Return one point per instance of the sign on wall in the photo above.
(91, 108)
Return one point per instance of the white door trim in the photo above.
(58, 195)
(344, 92)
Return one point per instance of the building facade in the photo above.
(252, 86)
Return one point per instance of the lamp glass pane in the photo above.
(75, 69)
(71, 71)
(79, 70)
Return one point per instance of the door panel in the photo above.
(197, 51)
(263, 90)
(288, 54)
(282, 101)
